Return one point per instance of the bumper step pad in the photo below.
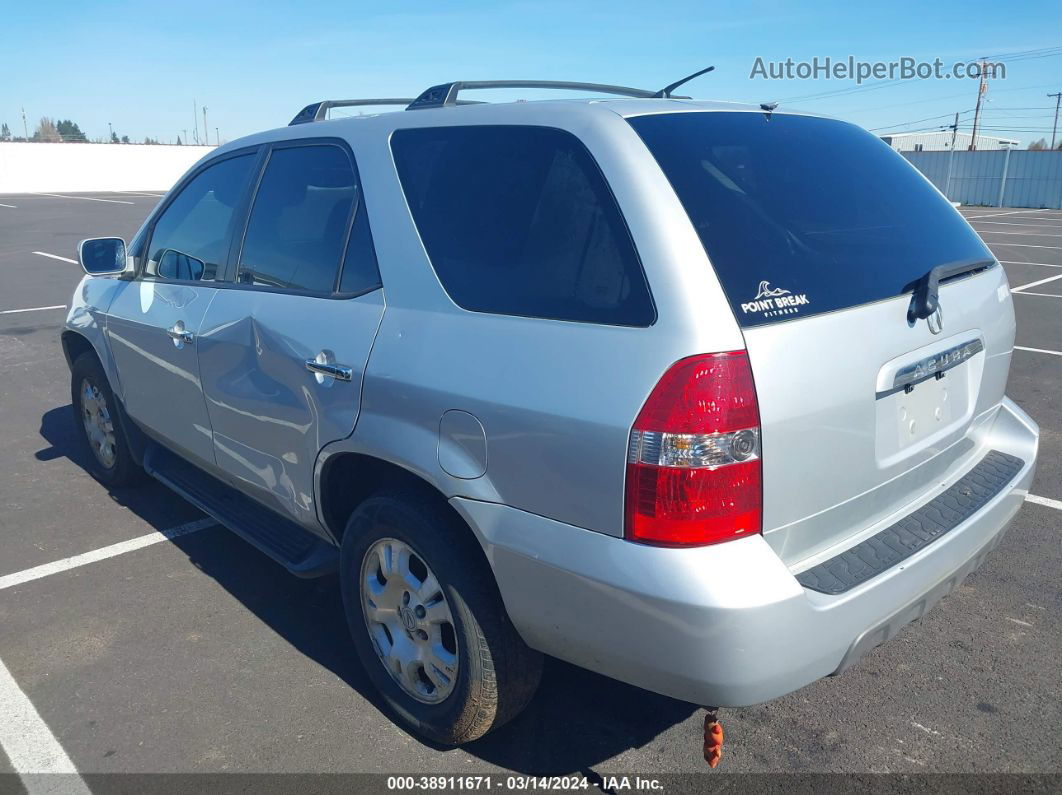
(917, 530)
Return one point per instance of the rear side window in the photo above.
(803, 215)
(191, 238)
(361, 273)
(520, 221)
(298, 223)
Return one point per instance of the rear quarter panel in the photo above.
(556, 399)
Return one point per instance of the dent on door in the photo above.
(271, 413)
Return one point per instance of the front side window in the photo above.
(191, 238)
(299, 219)
(520, 221)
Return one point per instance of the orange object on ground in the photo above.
(713, 739)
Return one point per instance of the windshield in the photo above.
(802, 215)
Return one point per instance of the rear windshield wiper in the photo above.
(926, 296)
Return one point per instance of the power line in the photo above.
(1023, 55)
(842, 91)
(1033, 107)
(915, 121)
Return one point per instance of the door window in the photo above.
(298, 224)
(191, 238)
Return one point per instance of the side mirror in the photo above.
(175, 265)
(100, 256)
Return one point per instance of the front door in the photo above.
(154, 322)
(282, 353)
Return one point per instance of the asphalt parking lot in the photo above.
(199, 654)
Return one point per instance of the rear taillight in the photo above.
(693, 464)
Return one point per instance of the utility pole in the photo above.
(195, 118)
(982, 87)
(25, 129)
(951, 157)
(1054, 129)
(217, 137)
(110, 131)
(206, 130)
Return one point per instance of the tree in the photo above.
(46, 131)
(5, 132)
(125, 139)
(69, 131)
(178, 139)
(114, 137)
(1038, 146)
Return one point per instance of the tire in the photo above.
(496, 672)
(109, 459)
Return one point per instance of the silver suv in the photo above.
(708, 398)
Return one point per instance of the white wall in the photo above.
(66, 168)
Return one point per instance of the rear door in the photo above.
(153, 323)
(283, 351)
(820, 234)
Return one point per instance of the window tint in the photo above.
(191, 238)
(360, 270)
(298, 221)
(801, 215)
(520, 221)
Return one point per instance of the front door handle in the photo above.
(180, 335)
(337, 371)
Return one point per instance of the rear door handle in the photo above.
(336, 371)
(180, 335)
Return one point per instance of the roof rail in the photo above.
(445, 94)
(318, 111)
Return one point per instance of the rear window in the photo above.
(519, 221)
(803, 215)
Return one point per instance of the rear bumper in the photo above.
(726, 625)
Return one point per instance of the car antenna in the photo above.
(665, 93)
(768, 108)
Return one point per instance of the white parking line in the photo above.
(86, 198)
(1031, 223)
(47, 569)
(11, 206)
(31, 309)
(55, 256)
(1025, 245)
(1038, 350)
(1026, 234)
(33, 750)
(1019, 262)
(1042, 295)
(1011, 212)
(1036, 283)
(1056, 504)
(139, 193)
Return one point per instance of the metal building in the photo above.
(940, 141)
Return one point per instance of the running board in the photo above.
(298, 550)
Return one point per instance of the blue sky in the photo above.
(140, 65)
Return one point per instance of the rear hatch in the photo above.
(821, 236)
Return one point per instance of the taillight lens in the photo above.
(693, 464)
